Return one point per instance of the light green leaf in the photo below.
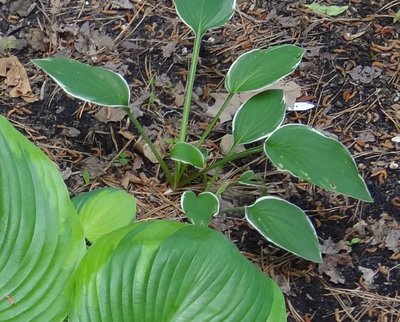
(260, 68)
(188, 153)
(199, 209)
(103, 210)
(326, 10)
(202, 15)
(159, 271)
(285, 225)
(249, 178)
(313, 157)
(258, 117)
(40, 235)
(92, 84)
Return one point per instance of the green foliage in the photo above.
(260, 68)
(313, 157)
(104, 210)
(41, 237)
(298, 149)
(258, 117)
(326, 10)
(149, 271)
(285, 224)
(201, 15)
(200, 209)
(172, 272)
(188, 154)
(98, 85)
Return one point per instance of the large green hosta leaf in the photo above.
(103, 210)
(93, 84)
(201, 15)
(41, 239)
(311, 156)
(168, 271)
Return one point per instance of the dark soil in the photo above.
(350, 72)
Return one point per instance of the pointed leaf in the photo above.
(168, 271)
(258, 117)
(311, 156)
(189, 154)
(92, 84)
(260, 68)
(326, 10)
(285, 225)
(103, 210)
(40, 235)
(200, 209)
(201, 15)
(249, 178)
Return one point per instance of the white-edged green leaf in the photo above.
(202, 15)
(259, 116)
(92, 84)
(103, 210)
(41, 239)
(326, 10)
(260, 68)
(169, 271)
(285, 225)
(188, 154)
(199, 209)
(249, 178)
(311, 156)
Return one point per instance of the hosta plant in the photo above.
(147, 271)
(298, 149)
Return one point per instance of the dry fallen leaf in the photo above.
(112, 114)
(291, 89)
(16, 78)
(337, 254)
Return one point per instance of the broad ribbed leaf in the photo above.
(168, 271)
(285, 225)
(201, 15)
(189, 154)
(200, 209)
(41, 239)
(260, 68)
(103, 210)
(258, 117)
(93, 84)
(311, 156)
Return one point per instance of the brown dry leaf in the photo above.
(226, 145)
(22, 7)
(112, 114)
(16, 78)
(291, 89)
(144, 149)
(168, 49)
(368, 275)
(178, 92)
(94, 166)
(121, 4)
(337, 254)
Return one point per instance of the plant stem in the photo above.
(187, 103)
(189, 87)
(222, 162)
(215, 119)
(152, 147)
(236, 209)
